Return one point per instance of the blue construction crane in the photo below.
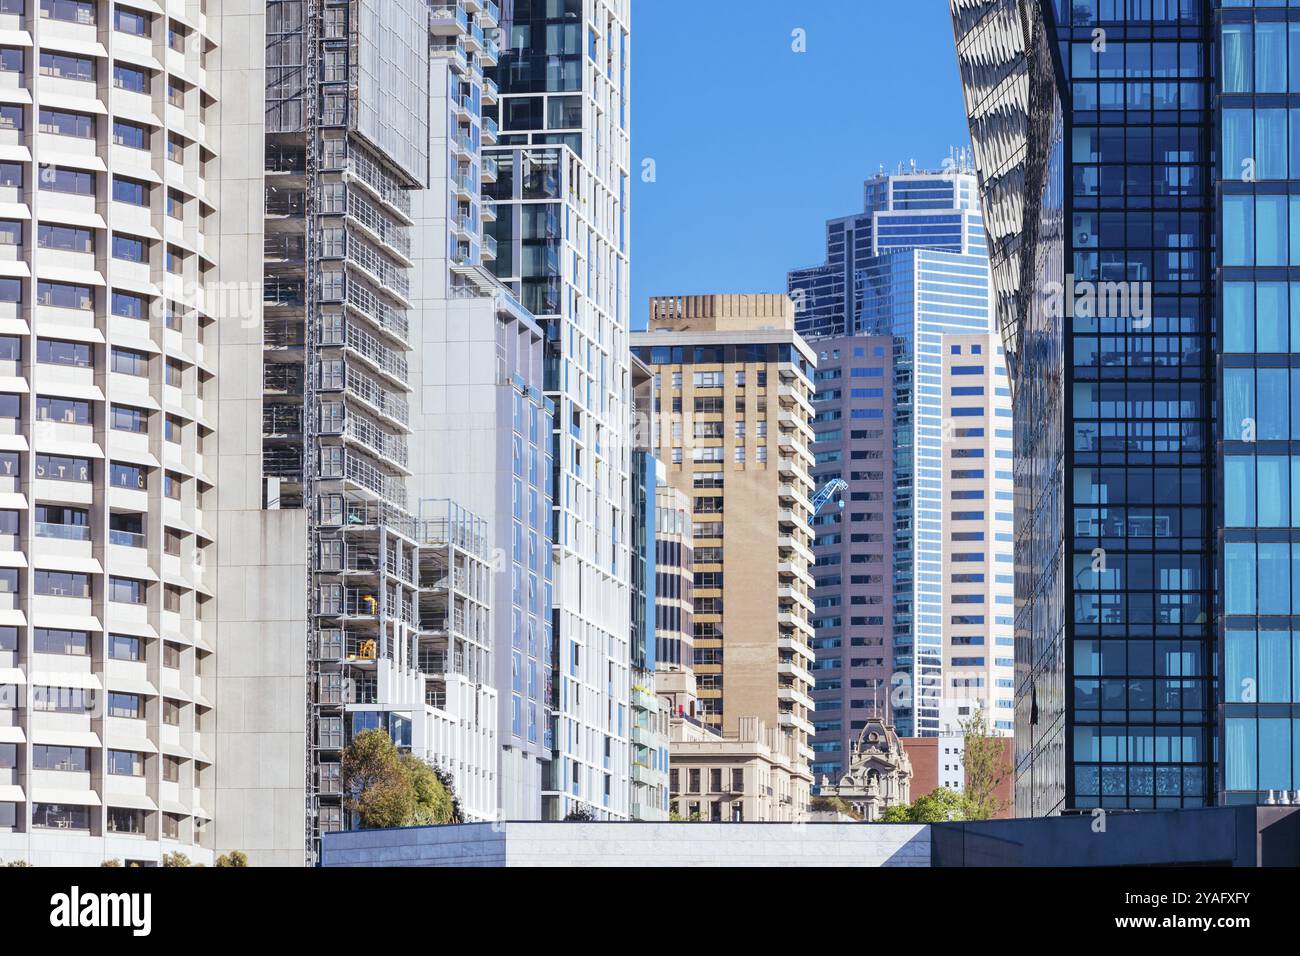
(829, 490)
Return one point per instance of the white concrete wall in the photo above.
(635, 844)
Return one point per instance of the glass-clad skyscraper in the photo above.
(1134, 166)
(911, 266)
(558, 224)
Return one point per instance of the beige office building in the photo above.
(755, 773)
(978, 575)
(734, 388)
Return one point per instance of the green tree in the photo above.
(939, 806)
(375, 785)
(17, 863)
(386, 788)
(433, 801)
(111, 863)
(233, 858)
(175, 859)
(986, 765)
(581, 813)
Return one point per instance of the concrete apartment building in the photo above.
(107, 271)
(332, 586)
(735, 386)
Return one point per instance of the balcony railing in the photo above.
(64, 532)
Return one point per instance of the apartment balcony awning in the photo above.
(82, 680)
(71, 276)
(68, 449)
(11, 675)
(66, 622)
(76, 798)
(12, 500)
(129, 686)
(90, 161)
(11, 617)
(77, 104)
(137, 744)
(134, 629)
(136, 801)
(11, 794)
(63, 562)
(12, 735)
(12, 559)
(66, 738)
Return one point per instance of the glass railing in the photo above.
(65, 532)
(127, 539)
(490, 168)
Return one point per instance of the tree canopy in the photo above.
(386, 788)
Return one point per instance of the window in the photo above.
(62, 700)
(124, 418)
(130, 362)
(62, 295)
(129, 706)
(129, 249)
(48, 640)
(171, 715)
(67, 759)
(125, 763)
(61, 583)
(60, 816)
(130, 191)
(64, 238)
(132, 135)
(128, 21)
(123, 820)
(63, 123)
(130, 306)
(59, 352)
(130, 79)
(73, 11)
(59, 180)
(173, 428)
(69, 411)
(127, 476)
(11, 59)
(68, 67)
(59, 468)
(172, 485)
(172, 598)
(122, 647)
(11, 117)
(127, 590)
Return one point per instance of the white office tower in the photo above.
(562, 246)
(107, 496)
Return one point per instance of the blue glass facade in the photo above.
(1258, 219)
(1113, 139)
(913, 266)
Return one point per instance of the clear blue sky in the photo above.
(755, 145)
